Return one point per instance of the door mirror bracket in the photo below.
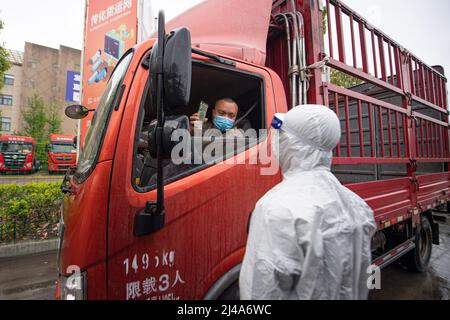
(170, 86)
(149, 221)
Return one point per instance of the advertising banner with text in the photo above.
(110, 30)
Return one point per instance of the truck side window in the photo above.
(210, 83)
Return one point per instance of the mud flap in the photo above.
(435, 231)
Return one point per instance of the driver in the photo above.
(224, 117)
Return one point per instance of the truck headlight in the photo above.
(28, 165)
(73, 287)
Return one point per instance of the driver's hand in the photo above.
(195, 117)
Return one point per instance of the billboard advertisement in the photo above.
(110, 30)
(73, 87)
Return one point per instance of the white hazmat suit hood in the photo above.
(309, 236)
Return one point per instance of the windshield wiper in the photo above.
(214, 57)
(146, 62)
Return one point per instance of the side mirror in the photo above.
(77, 112)
(176, 69)
(170, 88)
(171, 124)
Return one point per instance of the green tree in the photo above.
(324, 20)
(40, 121)
(35, 117)
(36, 120)
(5, 64)
(343, 79)
(53, 119)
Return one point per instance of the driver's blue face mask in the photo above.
(223, 124)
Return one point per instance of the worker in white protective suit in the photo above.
(310, 237)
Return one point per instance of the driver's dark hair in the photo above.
(226, 99)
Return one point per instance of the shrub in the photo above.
(29, 211)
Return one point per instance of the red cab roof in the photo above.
(61, 138)
(234, 28)
(17, 139)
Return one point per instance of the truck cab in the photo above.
(135, 224)
(207, 203)
(61, 153)
(18, 155)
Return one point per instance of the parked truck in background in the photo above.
(18, 155)
(136, 227)
(62, 153)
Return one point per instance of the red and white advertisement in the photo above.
(110, 30)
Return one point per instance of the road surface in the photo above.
(28, 277)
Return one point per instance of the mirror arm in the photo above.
(152, 219)
(160, 114)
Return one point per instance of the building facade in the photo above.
(10, 95)
(44, 72)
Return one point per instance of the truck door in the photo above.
(207, 204)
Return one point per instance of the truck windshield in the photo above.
(63, 148)
(99, 123)
(16, 147)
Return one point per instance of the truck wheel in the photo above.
(231, 293)
(418, 259)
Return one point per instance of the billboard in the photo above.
(110, 30)
(73, 87)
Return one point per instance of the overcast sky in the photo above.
(421, 26)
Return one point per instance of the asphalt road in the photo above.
(29, 277)
(399, 284)
(33, 277)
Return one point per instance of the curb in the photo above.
(26, 248)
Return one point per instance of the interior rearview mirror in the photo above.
(176, 68)
(77, 112)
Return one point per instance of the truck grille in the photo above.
(63, 158)
(14, 161)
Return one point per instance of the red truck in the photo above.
(135, 226)
(18, 155)
(62, 153)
